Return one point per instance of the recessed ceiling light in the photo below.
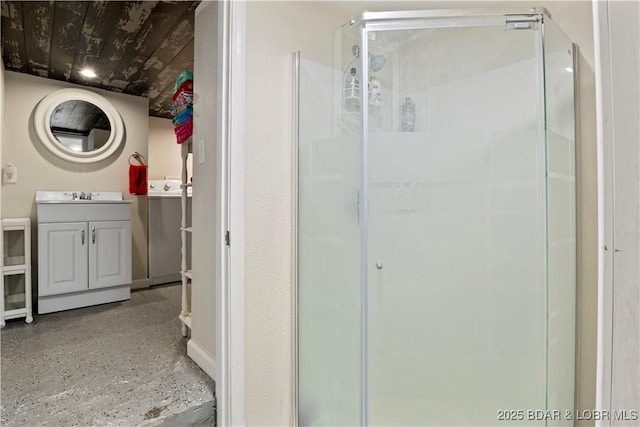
(88, 72)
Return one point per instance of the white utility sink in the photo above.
(80, 197)
(166, 188)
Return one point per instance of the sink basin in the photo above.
(74, 197)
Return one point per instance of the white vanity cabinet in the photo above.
(109, 254)
(62, 258)
(84, 253)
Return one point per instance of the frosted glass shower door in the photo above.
(456, 270)
(329, 166)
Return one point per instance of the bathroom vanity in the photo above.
(84, 249)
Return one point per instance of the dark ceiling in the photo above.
(135, 47)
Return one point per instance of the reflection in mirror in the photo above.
(80, 125)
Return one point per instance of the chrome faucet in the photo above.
(82, 196)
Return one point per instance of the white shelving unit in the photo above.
(15, 295)
(185, 271)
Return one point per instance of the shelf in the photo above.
(16, 269)
(16, 313)
(14, 302)
(187, 275)
(186, 319)
(11, 261)
(12, 227)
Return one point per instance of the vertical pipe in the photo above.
(545, 210)
(294, 242)
(578, 239)
(545, 199)
(364, 215)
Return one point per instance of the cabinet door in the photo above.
(62, 258)
(109, 253)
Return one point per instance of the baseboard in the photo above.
(140, 284)
(198, 355)
(53, 303)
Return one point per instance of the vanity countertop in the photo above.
(82, 202)
(73, 197)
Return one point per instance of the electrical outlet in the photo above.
(10, 173)
(201, 145)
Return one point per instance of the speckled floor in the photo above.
(120, 364)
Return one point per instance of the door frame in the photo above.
(229, 317)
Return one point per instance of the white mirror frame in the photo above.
(42, 122)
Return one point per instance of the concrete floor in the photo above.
(119, 364)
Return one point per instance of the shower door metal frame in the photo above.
(295, 106)
(386, 21)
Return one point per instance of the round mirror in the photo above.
(78, 125)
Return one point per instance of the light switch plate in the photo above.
(201, 151)
(10, 173)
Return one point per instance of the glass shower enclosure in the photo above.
(436, 221)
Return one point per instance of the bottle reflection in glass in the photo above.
(352, 92)
(408, 116)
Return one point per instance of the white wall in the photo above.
(201, 346)
(164, 152)
(38, 169)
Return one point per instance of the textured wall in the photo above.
(624, 19)
(205, 200)
(38, 169)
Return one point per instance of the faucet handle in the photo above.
(74, 196)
